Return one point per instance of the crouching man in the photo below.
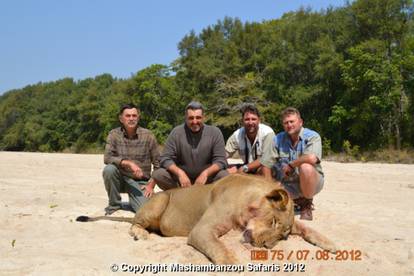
(247, 141)
(129, 152)
(295, 155)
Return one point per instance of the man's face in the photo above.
(292, 124)
(194, 119)
(129, 118)
(251, 123)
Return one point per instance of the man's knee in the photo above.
(220, 174)
(164, 179)
(136, 201)
(311, 182)
(158, 174)
(110, 171)
(307, 169)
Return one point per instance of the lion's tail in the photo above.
(86, 218)
(312, 236)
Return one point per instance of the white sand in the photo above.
(365, 207)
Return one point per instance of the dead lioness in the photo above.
(262, 209)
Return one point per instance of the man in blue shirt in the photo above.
(294, 156)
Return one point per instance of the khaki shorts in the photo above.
(293, 187)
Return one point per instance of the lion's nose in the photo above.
(247, 235)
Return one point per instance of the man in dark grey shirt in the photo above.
(193, 154)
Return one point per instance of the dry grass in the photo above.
(382, 156)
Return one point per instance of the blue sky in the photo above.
(46, 40)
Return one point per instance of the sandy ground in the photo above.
(364, 208)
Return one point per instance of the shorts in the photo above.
(293, 186)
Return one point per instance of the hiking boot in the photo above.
(306, 207)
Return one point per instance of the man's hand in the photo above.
(148, 189)
(183, 179)
(267, 173)
(134, 168)
(232, 170)
(287, 170)
(202, 178)
(240, 170)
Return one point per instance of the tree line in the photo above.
(349, 70)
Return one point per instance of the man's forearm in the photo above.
(213, 169)
(175, 170)
(267, 173)
(125, 164)
(306, 158)
(111, 155)
(254, 165)
(151, 183)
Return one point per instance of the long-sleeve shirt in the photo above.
(194, 152)
(141, 149)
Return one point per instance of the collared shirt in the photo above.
(141, 149)
(239, 142)
(279, 150)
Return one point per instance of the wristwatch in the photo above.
(245, 168)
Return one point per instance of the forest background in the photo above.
(349, 70)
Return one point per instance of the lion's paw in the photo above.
(138, 233)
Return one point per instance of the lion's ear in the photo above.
(279, 198)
